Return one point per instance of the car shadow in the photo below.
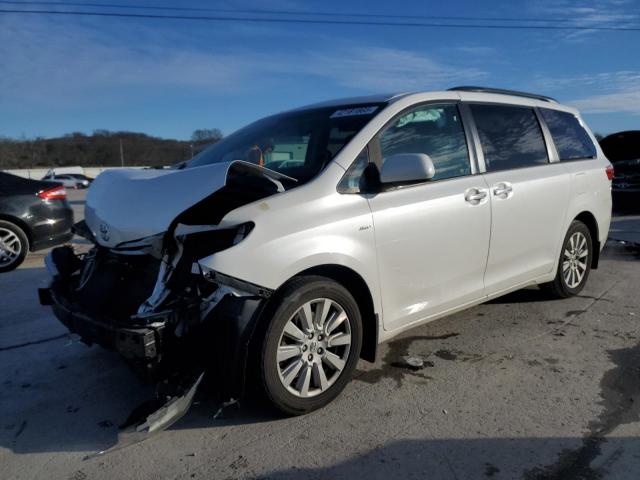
(593, 456)
(74, 398)
(78, 412)
(71, 397)
(480, 458)
(627, 223)
(622, 249)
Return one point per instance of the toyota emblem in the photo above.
(104, 232)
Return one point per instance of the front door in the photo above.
(432, 239)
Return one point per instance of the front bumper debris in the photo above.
(142, 343)
(141, 292)
(208, 331)
(154, 416)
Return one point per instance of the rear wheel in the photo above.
(311, 346)
(574, 264)
(14, 246)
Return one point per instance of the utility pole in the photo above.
(121, 154)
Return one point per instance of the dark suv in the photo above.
(623, 150)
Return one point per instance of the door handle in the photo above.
(502, 189)
(475, 195)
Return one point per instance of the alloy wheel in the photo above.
(10, 247)
(314, 347)
(574, 261)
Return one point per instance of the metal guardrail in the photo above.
(38, 173)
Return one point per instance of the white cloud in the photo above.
(606, 82)
(618, 92)
(386, 69)
(624, 101)
(45, 62)
(57, 63)
(585, 14)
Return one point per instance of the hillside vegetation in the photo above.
(102, 148)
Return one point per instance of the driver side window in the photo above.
(435, 130)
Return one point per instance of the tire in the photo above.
(14, 246)
(573, 262)
(299, 373)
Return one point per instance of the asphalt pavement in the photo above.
(522, 387)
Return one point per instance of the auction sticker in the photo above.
(350, 112)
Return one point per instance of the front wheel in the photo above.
(311, 345)
(14, 246)
(574, 264)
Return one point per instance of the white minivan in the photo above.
(281, 255)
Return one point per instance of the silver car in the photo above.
(67, 180)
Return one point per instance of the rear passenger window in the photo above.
(570, 138)
(510, 137)
(435, 130)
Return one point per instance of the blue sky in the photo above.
(167, 78)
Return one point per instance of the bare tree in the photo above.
(208, 135)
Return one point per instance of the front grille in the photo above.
(114, 286)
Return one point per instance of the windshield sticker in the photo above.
(350, 112)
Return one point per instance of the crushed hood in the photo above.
(129, 204)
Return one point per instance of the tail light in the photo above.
(610, 172)
(55, 193)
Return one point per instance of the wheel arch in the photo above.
(357, 286)
(590, 221)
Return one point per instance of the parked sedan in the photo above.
(68, 180)
(33, 215)
(623, 150)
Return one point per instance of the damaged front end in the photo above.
(149, 300)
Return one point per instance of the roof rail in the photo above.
(503, 92)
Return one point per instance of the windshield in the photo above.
(298, 144)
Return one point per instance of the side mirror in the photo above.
(407, 168)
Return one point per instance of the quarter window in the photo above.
(510, 137)
(570, 138)
(435, 130)
(353, 178)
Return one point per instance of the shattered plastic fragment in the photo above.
(171, 412)
(414, 362)
(224, 405)
(161, 419)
